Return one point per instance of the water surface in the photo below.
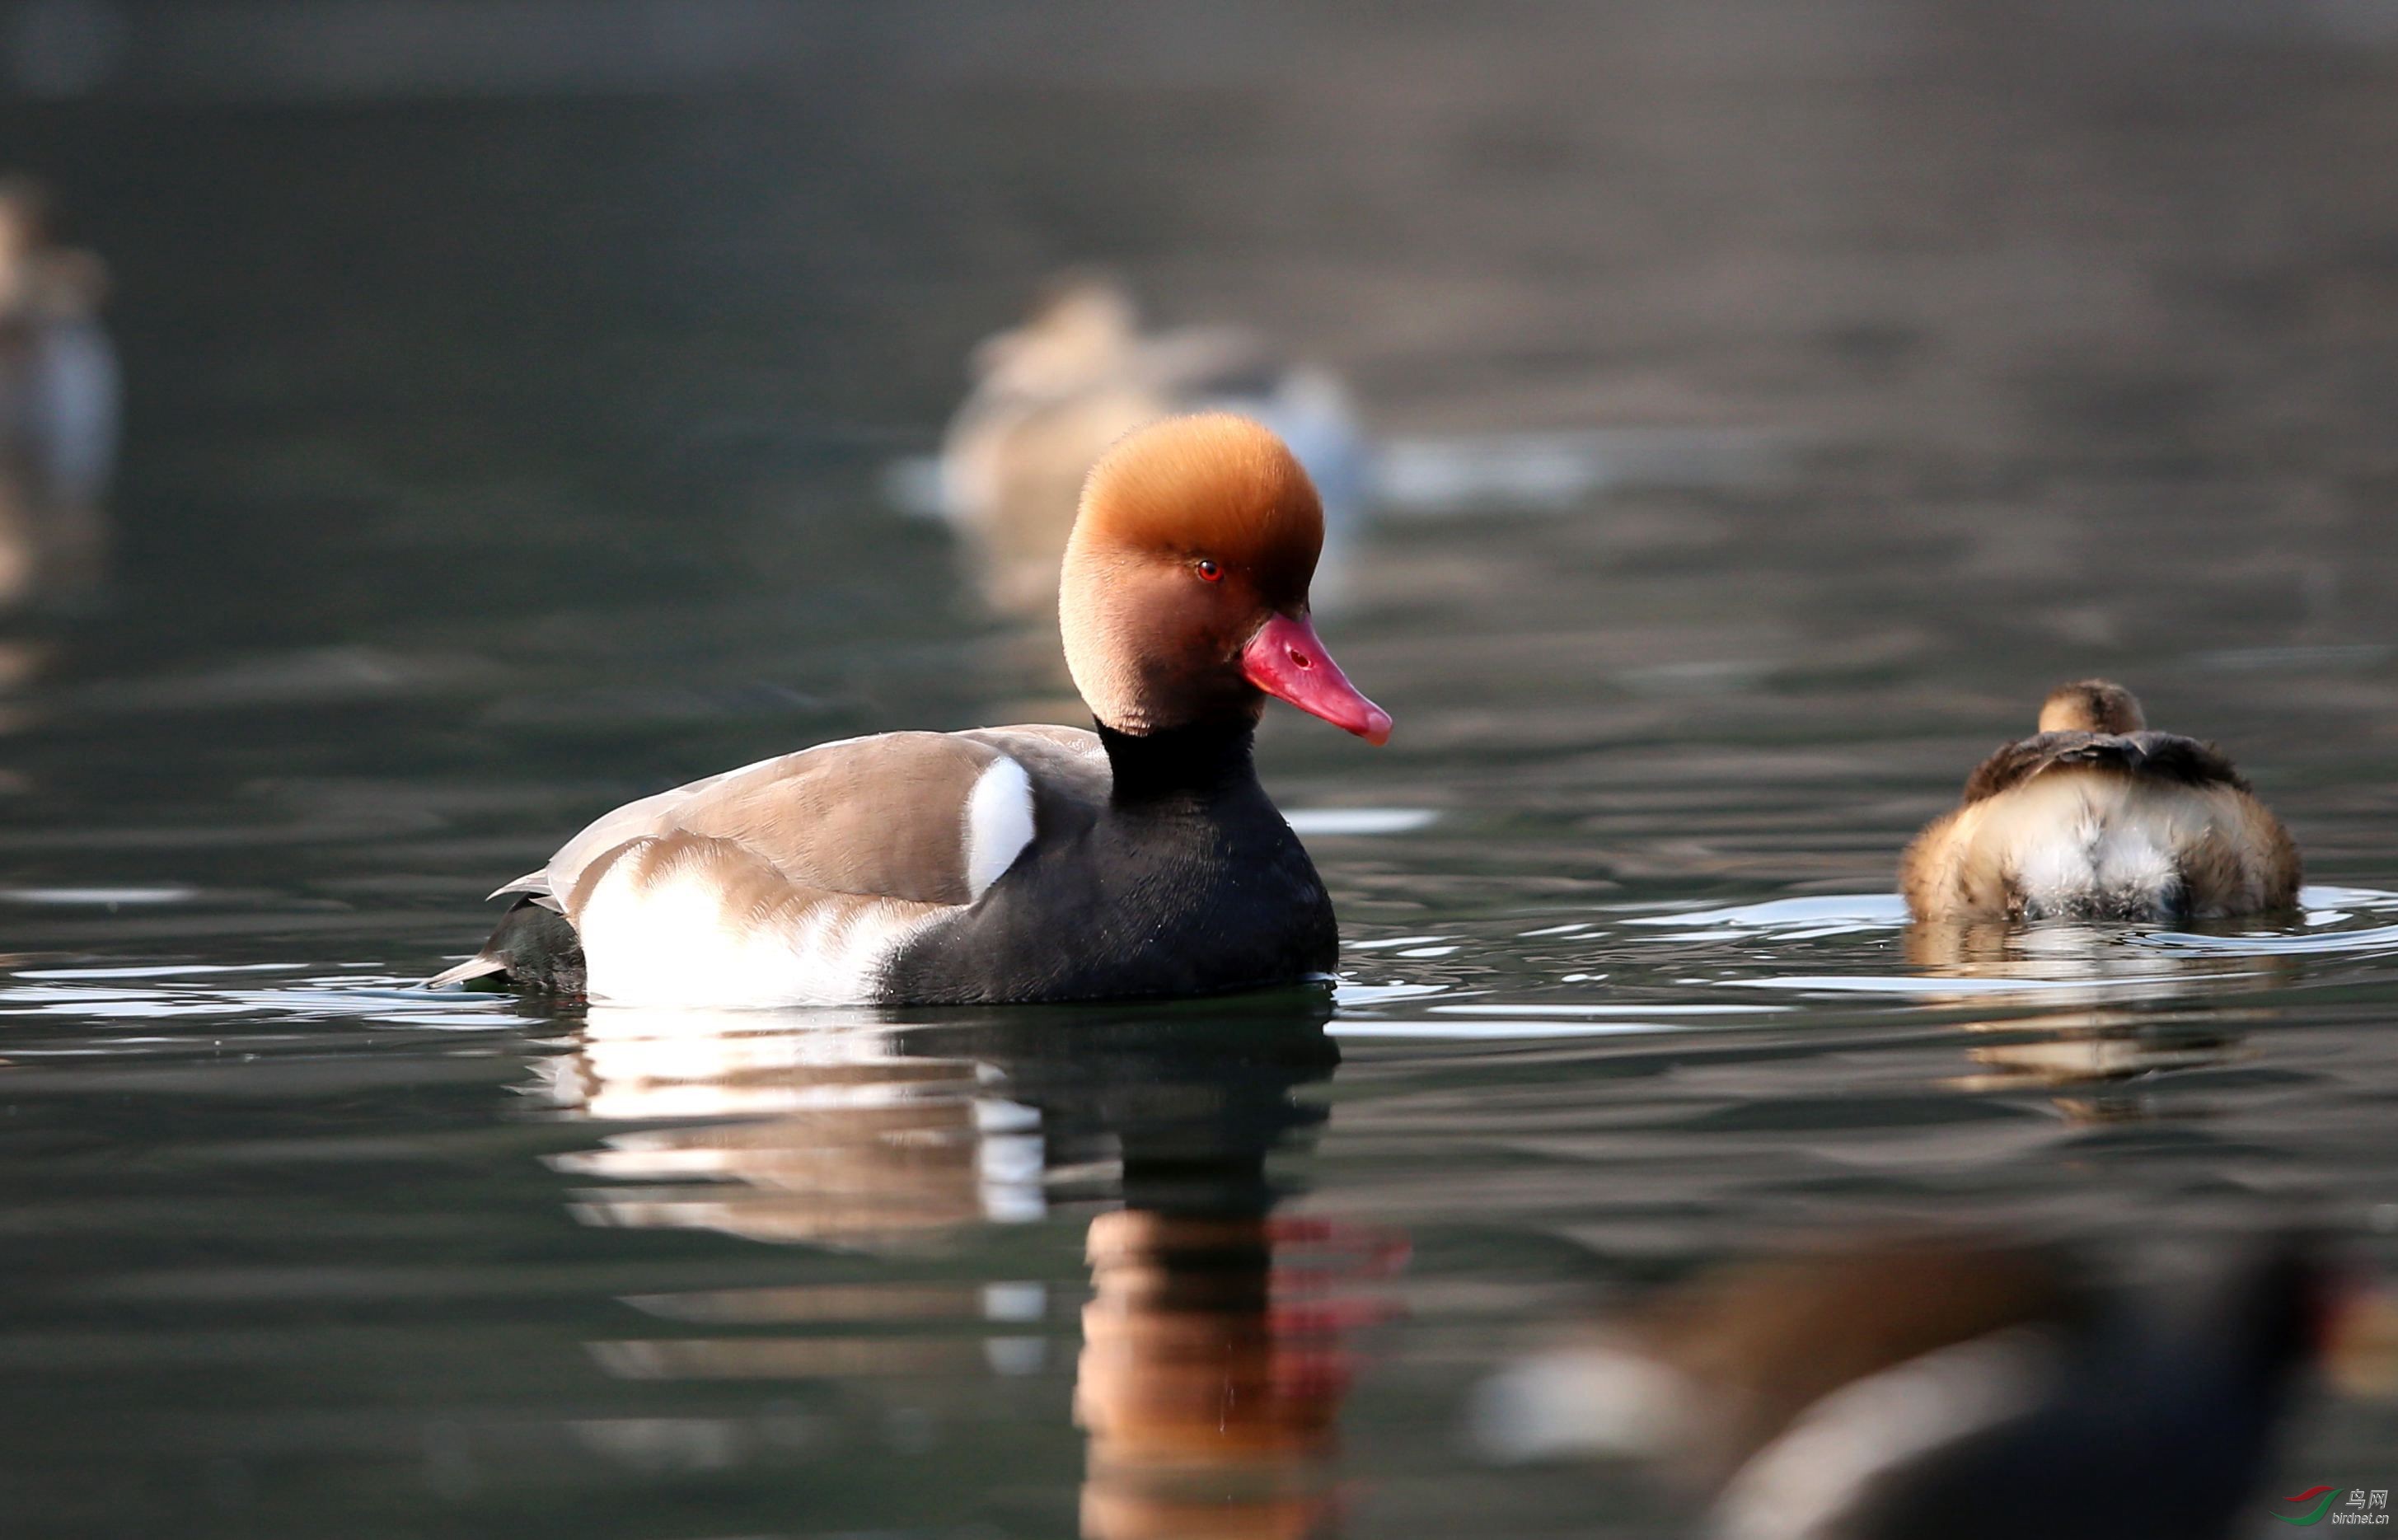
(494, 461)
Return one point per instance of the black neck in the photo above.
(1197, 762)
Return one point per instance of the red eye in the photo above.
(1209, 570)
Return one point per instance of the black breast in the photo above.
(1182, 884)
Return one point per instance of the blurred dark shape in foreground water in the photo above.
(1955, 1385)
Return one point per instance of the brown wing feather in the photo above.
(2164, 756)
(882, 818)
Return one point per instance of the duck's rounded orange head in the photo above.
(1184, 595)
(2091, 705)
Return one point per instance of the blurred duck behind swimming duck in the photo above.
(2096, 816)
(1050, 395)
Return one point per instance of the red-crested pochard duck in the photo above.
(2097, 817)
(1052, 393)
(1008, 863)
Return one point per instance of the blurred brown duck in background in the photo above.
(1052, 393)
(2097, 817)
(58, 407)
(1893, 1387)
(1048, 396)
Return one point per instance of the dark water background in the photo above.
(497, 454)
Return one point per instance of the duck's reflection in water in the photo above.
(2098, 1016)
(1213, 1366)
(829, 1132)
(2073, 963)
(2099, 1062)
(1213, 1370)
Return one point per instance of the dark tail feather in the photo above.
(532, 947)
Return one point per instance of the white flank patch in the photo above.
(1802, 1483)
(999, 823)
(670, 941)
